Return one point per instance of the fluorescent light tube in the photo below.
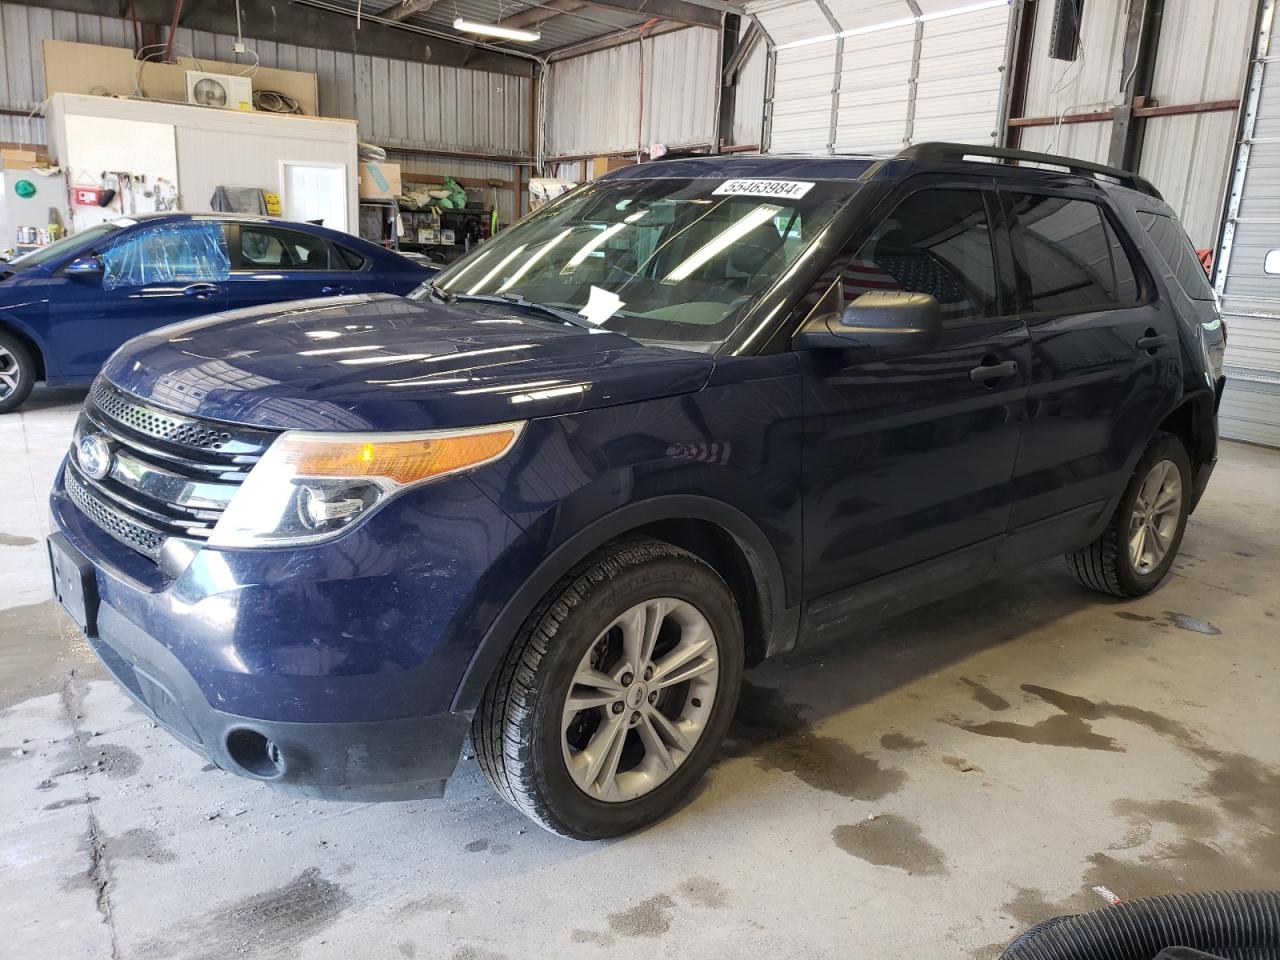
(496, 30)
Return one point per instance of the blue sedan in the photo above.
(66, 307)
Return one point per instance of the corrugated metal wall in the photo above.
(874, 75)
(594, 105)
(1251, 296)
(397, 103)
(1202, 56)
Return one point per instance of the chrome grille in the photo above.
(143, 539)
(171, 475)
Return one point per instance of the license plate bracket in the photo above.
(74, 583)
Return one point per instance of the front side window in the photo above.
(170, 253)
(267, 248)
(937, 242)
(1073, 260)
(671, 260)
(1180, 257)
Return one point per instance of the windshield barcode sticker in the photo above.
(787, 189)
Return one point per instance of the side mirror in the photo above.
(84, 268)
(883, 322)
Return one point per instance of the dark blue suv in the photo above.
(687, 417)
(66, 307)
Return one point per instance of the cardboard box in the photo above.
(379, 181)
(15, 159)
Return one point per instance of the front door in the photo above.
(1104, 357)
(155, 274)
(908, 459)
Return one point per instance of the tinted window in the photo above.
(348, 258)
(936, 242)
(275, 249)
(1073, 258)
(167, 253)
(1180, 257)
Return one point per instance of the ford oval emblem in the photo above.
(94, 455)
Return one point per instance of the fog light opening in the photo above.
(255, 754)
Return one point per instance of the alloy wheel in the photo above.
(10, 373)
(1157, 511)
(640, 700)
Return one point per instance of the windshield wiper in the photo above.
(566, 316)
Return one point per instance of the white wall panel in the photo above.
(748, 112)
(594, 104)
(397, 103)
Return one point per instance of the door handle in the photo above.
(988, 372)
(334, 291)
(1151, 342)
(201, 291)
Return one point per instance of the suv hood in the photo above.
(388, 363)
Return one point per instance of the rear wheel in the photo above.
(17, 372)
(1139, 545)
(616, 694)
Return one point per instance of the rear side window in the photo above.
(1179, 256)
(1073, 259)
(271, 248)
(349, 259)
(936, 242)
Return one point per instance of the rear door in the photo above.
(909, 459)
(1104, 363)
(271, 263)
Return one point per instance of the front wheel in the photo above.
(17, 372)
(616, 693)
(1139, 545)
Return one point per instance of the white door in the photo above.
(314, 193)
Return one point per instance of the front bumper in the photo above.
(330, 670)
(402, 759)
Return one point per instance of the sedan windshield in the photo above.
(84, 240)
(667, 260)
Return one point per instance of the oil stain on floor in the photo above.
(889, 840)
(776, 734)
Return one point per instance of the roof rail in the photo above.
(959, 151)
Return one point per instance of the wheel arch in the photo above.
(727, 539)
(25, 337)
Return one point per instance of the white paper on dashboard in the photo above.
(601, 305)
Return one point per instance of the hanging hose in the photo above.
(1231, 925)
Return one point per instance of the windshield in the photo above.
(674, 261)
(86, 239)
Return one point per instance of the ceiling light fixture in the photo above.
(496, 30)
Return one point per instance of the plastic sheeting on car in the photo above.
(179, 253)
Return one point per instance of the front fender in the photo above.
(749, 537)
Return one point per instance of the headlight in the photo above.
(311, 486)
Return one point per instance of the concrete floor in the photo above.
(929, 791)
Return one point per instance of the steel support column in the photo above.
(1141, 40)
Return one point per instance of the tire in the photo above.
(17, 372)
(1107, 565)
(523, 742)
